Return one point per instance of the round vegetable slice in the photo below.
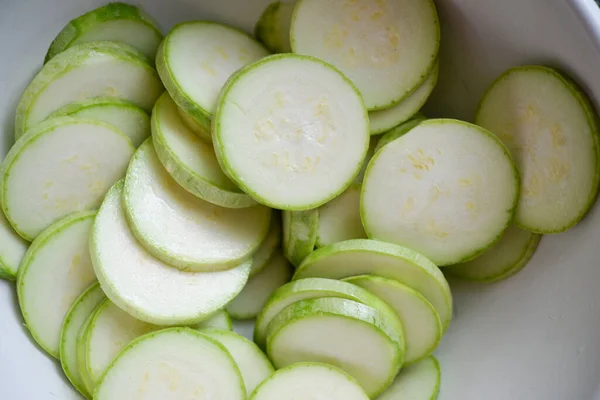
(421, 322)
(259, 288)
(399, 131)
(339, 219)
(447, 189)
(301, 124)
(85, 71)
(300, 230)
(384, 120)
(122, 114)
(195, 60)
(172, 364)
(349, 335)
(190, 160)
(551, 129)
(56, 269)
(273, 27)
(507, 257)
(145, 287)
(252, 362)
(12, 249)
(201, 131)
(420, 381)
(220, 320)
(370, 153)
(313, 380)
(371, 257)
(59, 167)
(88, 384)
(268, 247)
(315, 288)
(78, 314)
(387, 48)
(117, 22)
(200, 236)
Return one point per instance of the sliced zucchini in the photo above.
(78, 314)
(190, 160)
(12, 250)
(201, 131)
(291, 131)
(344, 333)
(313, 381)
(62, 166)
(551, 128)
(145, 287)
(172, 364)
(447, 189)
(54, 272)
(117, 22)
(339, 219)
(268, 247)
(384, 120)
(88, 384)
(200, 236)
(371, 257)
(85, 71)
(370, 153)
(300, 229)
(387, 48)
(422, 324)
(252, 299)
(504, 259)
(314, 288)
(400, 130)
(252, 362)
(219, 320)
(273, 27)
(420, 381)
(195, 60)
(122, 114)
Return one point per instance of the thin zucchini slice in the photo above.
(172, 364)
(62, 166)
(122, 114)
(504, 259)
(399, 131)
(422, 324)
(420, 381)
(196, 59)
(78, 314)
(313, 381)
(268, 247)
(88, 384)
(190, 160)
(447, 189)
(370, 153)
(315, 288)
(291, 131)
(220, 320)
(145, 287)
(387, 48)
(339, 219)
(200, 236)
(273, 27)
(300, 229)
(371, 257)
(349, 335)
(117, 22)
(55, 271)
(384, 120)
(551, 128)
(85, 71)
(12, 250)
(252, 299)
(252, 362)
(201, 131)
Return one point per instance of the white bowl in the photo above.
(534, 336)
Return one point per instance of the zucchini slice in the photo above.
(273, 26)
(300, 229)
(12, 249)
(420, 381)
(268, 247)
(399, 131)
(339, 219)
(219, 320)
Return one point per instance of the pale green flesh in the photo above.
(420, 381)
(551, 130)
(371, 257)
(74, 322)
(220, 320)
(504, 259)
(339, 219)
(88, 384)
(314, 288)
(273, 27)
(268, 247)
(172, 364)
(122, 114)
(312, 381)
(12, 249)
(117, 22)
(343, 333)
(300, 229)
(399, 131)
(422, 325)
(201, 131)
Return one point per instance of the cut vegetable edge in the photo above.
(88, 384)
(273, 26)
(300, 229)
(268, 247)
(419, 381)
(399, 131)
(339, 219)
(219, 320)
(12, 250)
